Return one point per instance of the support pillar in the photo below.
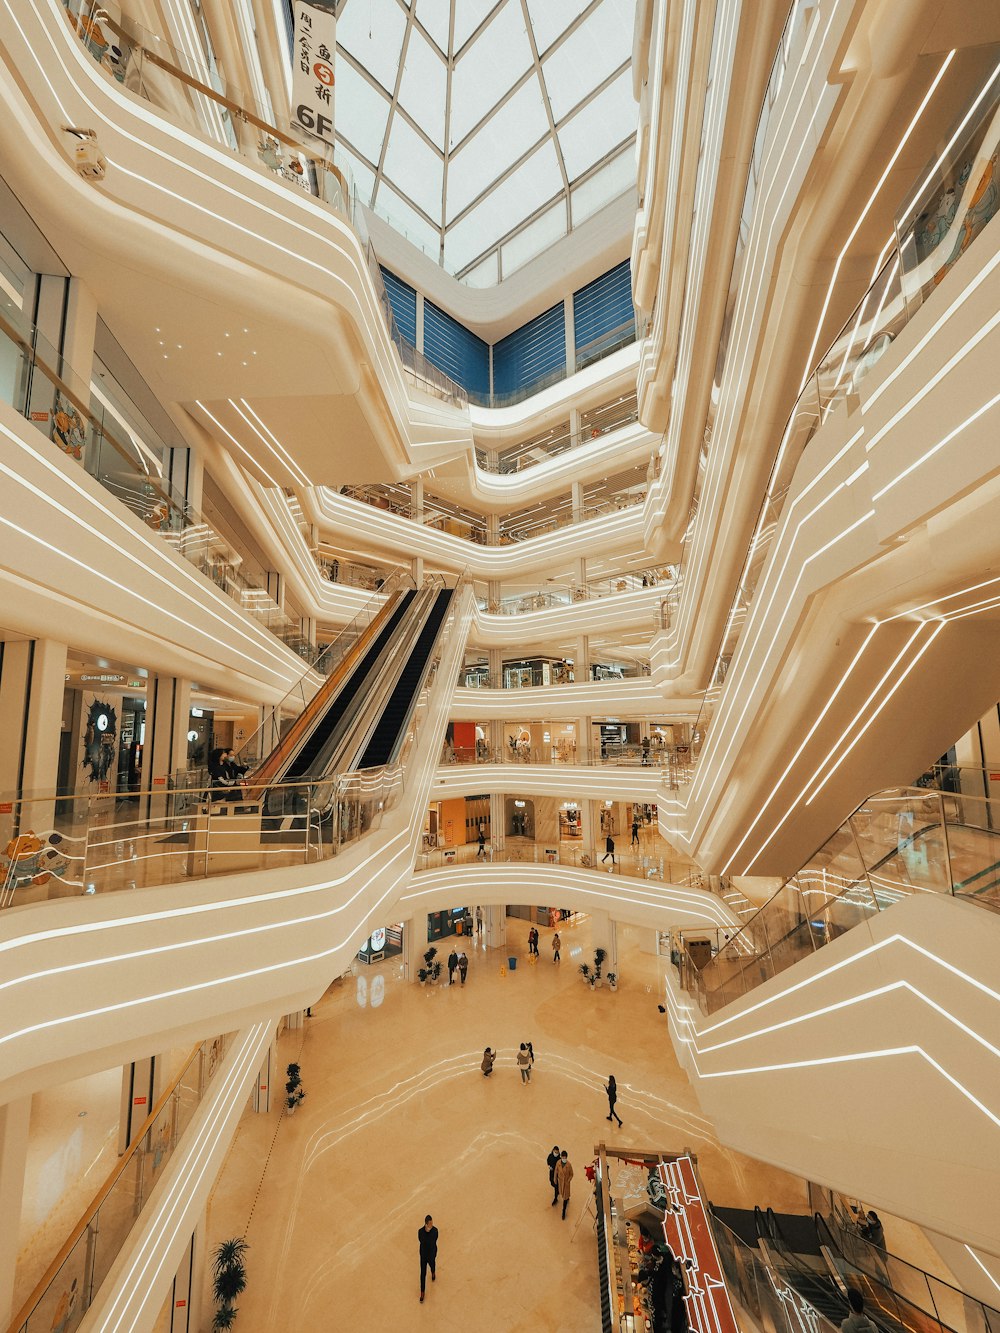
(498, 823)
(495, 927)
(32, 683)
(142, 1083)
(14, 1120)
(186, 1300)
(268, 1076)
(168, 715)
(295, 1021)
(570, 336)
(581, 663)
(276, 588)
(589, 829)
(576, 495)
(414, 945)
(604, 934)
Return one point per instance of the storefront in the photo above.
(452, 921)
(383, 942)
(456, 822)
(531, 671)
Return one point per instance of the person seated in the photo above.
(223, 785)
(236, 770)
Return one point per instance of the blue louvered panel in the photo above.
(603, 305)
(403, 300)
(452, 348)
(530, 353)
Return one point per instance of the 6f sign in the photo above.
(312, 69)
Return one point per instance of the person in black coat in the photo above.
(611, 1088)
(223, 785)
(452, 965)
(427, 1236)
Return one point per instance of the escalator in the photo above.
(801, 1249)
(313, 759)
(387, 737)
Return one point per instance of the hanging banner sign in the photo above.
(312, 69)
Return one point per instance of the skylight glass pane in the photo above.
(598, 127)
(484, 274)
(362, 111)
(492, 64)
(534, 238)
(551, 18)
(423, 89)
(504, 138)
(372, 31)
(603, 186)
(364, 177)
(468, 16)
(414, 168)
(587, 57)
(535, 181)
(435, 15)
(402, 218)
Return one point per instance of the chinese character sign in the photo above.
(312, 69)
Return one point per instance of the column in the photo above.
(168, 715)
(269, 1083)
(590, 826)
(576, 494)
(32, 684)
(186, 1292)
(498, 829)
(495, 927)
(420, 322)
(142, 1083)
(581, 664)
(276, 588)
(604, 934)
(14, 1120)
(493, 539)
(574, 423)
(570, 336)
(414, 945)
(417, 499)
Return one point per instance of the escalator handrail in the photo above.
(878, 1256)
(277, 761)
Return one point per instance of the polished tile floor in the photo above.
(399, 1122)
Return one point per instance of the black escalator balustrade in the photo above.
(805, 1273)
(387, 735)
(301, 767)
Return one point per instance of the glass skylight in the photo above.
(486, 127)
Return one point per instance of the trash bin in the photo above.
(459, 928)
(512, 964)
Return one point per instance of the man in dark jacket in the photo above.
(427, 1235)
(452, 964)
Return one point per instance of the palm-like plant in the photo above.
(225, 1318)
(229, 1276)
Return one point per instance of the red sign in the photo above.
(995, 777)
(138, 1101)
(179, 1305)
(159, 782)
(263, 1087)
(39, 416)
(6, 807)
(104, 788)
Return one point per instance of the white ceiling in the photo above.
(485, 130)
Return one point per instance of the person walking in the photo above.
(488, 1059)
(556, 946)
(550, 1162)
(524, 1063)
(563, 1179)
(427, 1236)
(611, 1088)
(482, 842)
(533, 942)
(609, 850)
(463, 966)
(452, 965)
(479, 920)
(635, 833)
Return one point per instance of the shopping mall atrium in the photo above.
(499, 665)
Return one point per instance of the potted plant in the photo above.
(229, 1279)
(612, 981)
(585, 972)
(599, 957)
(431, 969)
(294, 1091)
(422, 976)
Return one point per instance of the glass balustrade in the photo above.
(55, 845)
(898, 843)
(67, 1289)
(41, 385)
(643, 864)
